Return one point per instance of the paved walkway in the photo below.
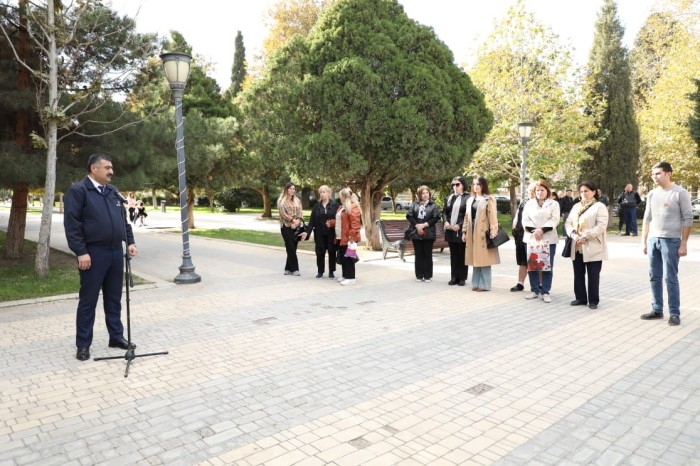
(266, 369)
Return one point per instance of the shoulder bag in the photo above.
(501, 237)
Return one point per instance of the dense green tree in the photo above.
(238, 69)
(608, 94)
(367, 98)
(86, 52)
(526, 74)
(666, 118)
(694, 119)
(23, 166)
(650, 54)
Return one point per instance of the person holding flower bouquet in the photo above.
(540, 220)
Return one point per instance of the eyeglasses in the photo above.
(456, 184)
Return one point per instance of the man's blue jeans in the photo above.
(630, 216)
(663, 262)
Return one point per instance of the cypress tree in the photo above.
(609, 96)
(238, 70)
(694, 122)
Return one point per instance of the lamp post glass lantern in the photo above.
(177, 68)
(524, 130)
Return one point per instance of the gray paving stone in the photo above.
(369, 354)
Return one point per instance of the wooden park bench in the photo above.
(391, 234)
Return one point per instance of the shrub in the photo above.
(233, 199)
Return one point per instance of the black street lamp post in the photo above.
(524, 130)
(177, 68)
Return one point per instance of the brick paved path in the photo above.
(280, 370)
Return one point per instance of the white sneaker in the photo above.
(296, 273)
(419, 279)
(428, 280)
(348, 281)
(532, 295)
(287, 272)
(546, 298)
(340, 279)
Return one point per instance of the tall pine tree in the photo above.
(238, 70)
(609, 95)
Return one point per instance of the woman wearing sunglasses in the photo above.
(455, 208)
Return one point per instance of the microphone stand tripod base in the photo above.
(130, 355)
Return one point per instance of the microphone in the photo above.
(121, 197)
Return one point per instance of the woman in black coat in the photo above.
(423, 215)
(324, 237)
(455, 208)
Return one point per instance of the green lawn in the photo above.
(250, 236)
(19, 281)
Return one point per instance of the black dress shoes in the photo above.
(674, 320)
(593, 306)
(120, 343)
(462, 283)
(319, 275)
(452, 282)
(576, 302)
(651, 316)
(518, 287)
(83, 354)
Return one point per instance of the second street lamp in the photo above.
(524, 130)
(177, 68)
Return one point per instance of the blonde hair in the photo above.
(323, 187)
(348, 198)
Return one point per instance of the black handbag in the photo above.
(566, 252)
(501, 237)
(301, 229)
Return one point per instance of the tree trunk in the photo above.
(267, 209)
(305, 195)
(154, 200)
(14, 241)
(210, 195)
(17, 223)
(190, 208)
(371, 208)
(41, 265)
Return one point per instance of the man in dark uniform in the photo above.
(95, 226)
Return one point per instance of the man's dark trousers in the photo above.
(104, 274)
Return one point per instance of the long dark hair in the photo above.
(483, 183)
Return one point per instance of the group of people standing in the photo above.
(96, 231)
(335, 226)
(469, 220)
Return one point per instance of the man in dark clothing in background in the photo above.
(95, 225)
(566, 204)
(628, 201)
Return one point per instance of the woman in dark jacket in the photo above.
(324, 237)
(455, 206)
(423, 215)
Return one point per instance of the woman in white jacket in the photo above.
(586, 225)
(540, 220)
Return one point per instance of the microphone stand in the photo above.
(129, 282)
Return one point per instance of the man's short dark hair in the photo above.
(569, 190)
(665, 166)
(96, 158)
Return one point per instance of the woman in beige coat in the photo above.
(586, 226)
(481, 218)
